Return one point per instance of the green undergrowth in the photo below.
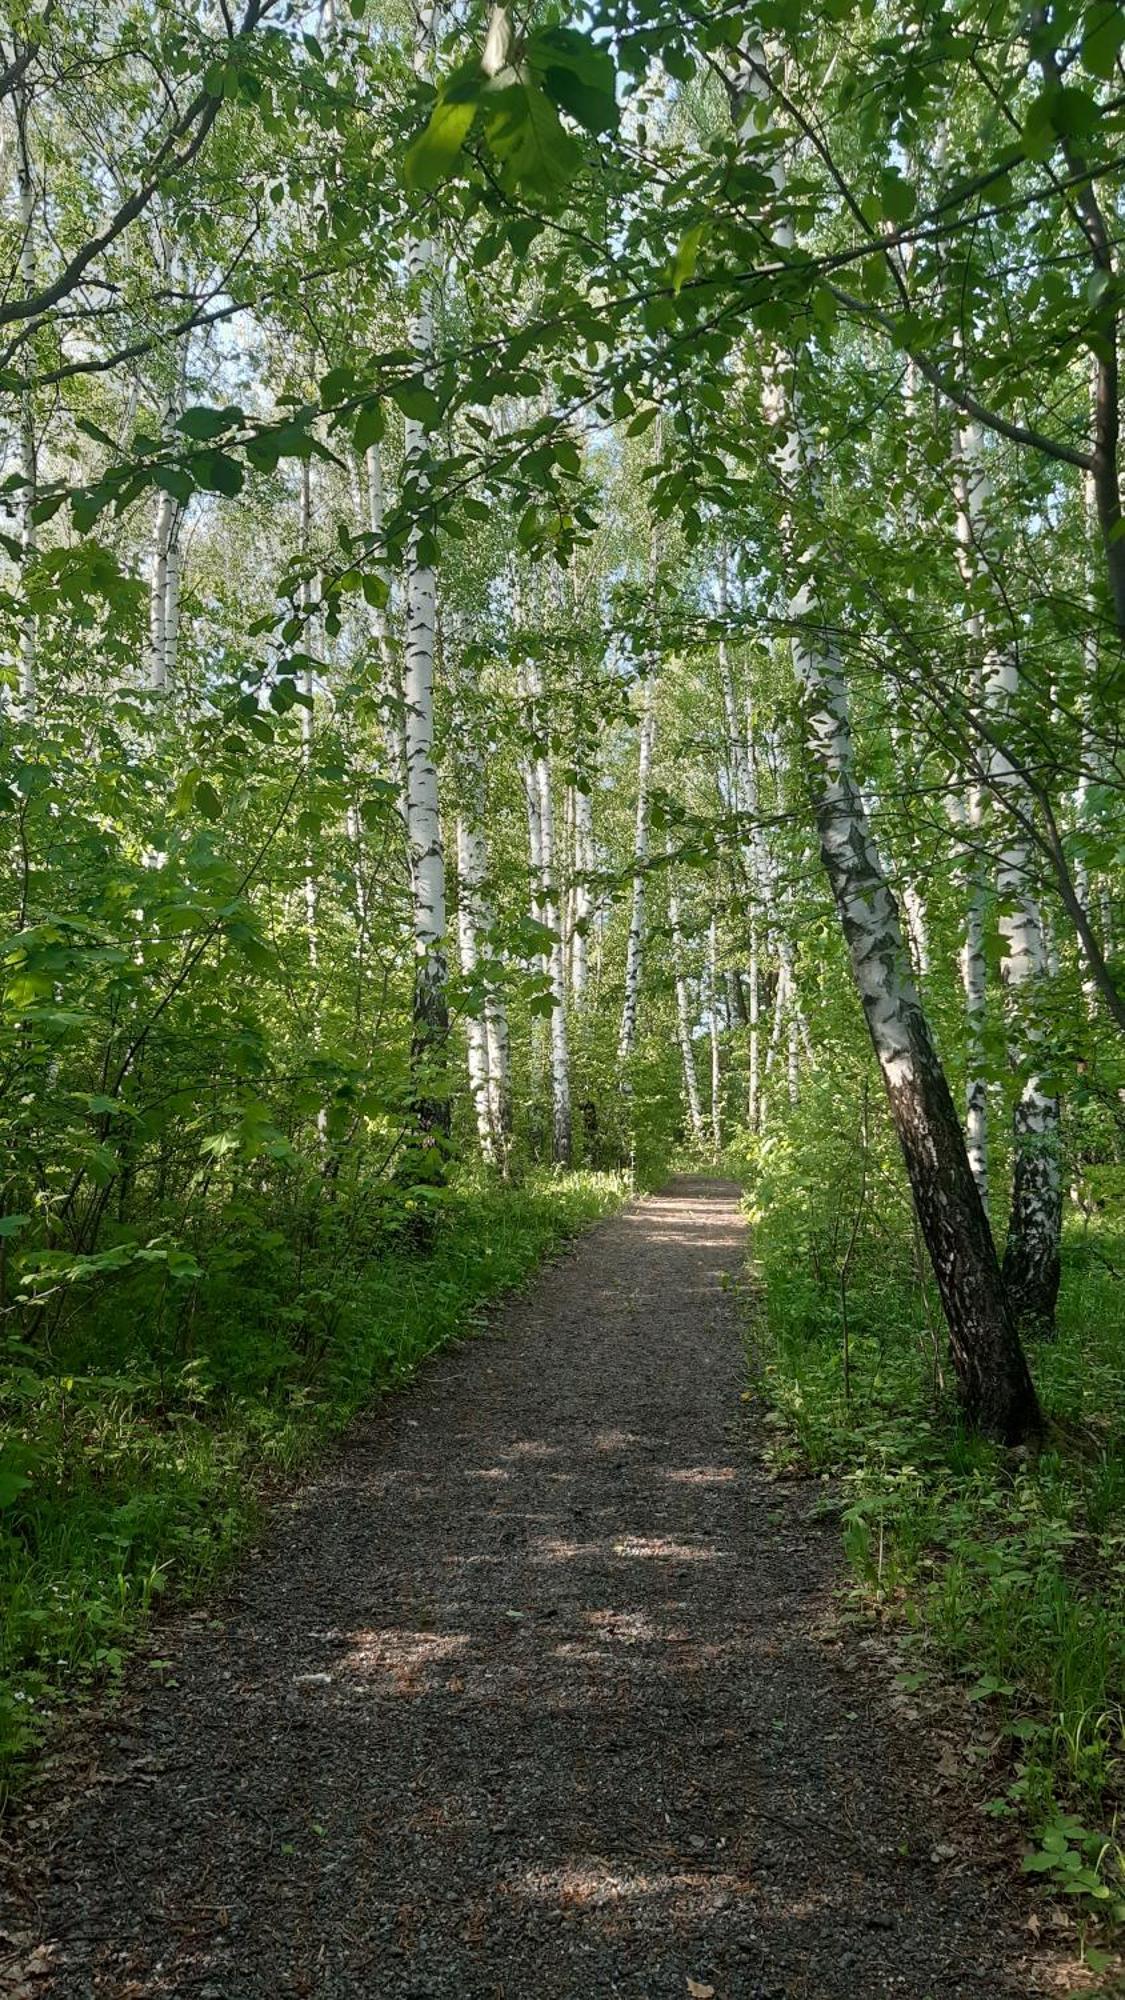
(1002, 1570)
(134, 1454)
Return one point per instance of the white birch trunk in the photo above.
(423, 818)
(969, 814)
(582, 905)
(683, 1015)
(471, 875)
(29, 479)
(1031, 1257)
(716, 1044)
(754, 1086)
(308, 720)
(560, 1052)
(634, 954)
(541, 845)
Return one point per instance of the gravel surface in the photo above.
(526, 1697)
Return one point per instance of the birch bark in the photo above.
(308, 689)
(992, 1371)
(1031, 1254)
(683, 1012)
(715, 1025)
(28, 537)
(634, 951)
(423, 818)
(541, 842)
(582, 901)
(968, 814)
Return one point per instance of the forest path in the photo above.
(523, 1698)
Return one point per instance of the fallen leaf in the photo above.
(698, 1991)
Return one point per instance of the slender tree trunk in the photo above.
(471, 869)
(582, 905)
(683, 1014)
(634, 955)
(549, 915)
(1090, 664)
(754, 1084)
(992, 1372)
(308, 690)
(164, 571)
(423, 817)
(716, 1043)
(1031, 1255)
(390, 687)
(968, 814)
(29, 477)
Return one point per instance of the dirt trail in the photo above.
(524, 1699)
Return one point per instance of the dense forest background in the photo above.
(562, 609)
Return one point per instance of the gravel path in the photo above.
(526, 1698)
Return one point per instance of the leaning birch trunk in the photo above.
(423, 818)
(992, 1372)
(634, 953)
(29, 480)
(1031, 1254)
(683, 1015)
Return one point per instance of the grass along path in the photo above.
(121, 1480)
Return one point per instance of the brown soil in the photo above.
(526, 1697)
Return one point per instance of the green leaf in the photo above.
(1062, 111)
(202, 422)
(687, 254)
(525, 133)
(897, 197)
(370, 426)
(415, 400)
(208, 800)
(338, 383)
(174, 480)
(217, 473)
(10, 1225)
(429, 160)
(588, 108)
(1103, 37)
(13, 1482)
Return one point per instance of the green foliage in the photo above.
(1006, 1571)
(133, 1455)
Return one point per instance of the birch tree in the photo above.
(990, 1364)
(423, 817)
